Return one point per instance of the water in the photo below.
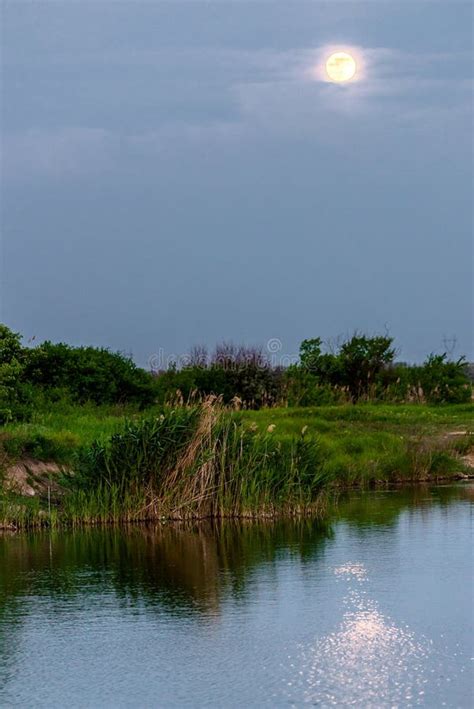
(371, 609)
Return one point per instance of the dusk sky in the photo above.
(181, 172)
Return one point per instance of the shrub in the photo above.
(138, 453)
(233, 372)
(443, 381)
(395, 383)
(88, 374)
(362, 359)
(304, 388)
(356, 367)
(15, 396)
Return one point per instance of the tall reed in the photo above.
(199, 462)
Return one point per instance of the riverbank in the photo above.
(78, 465)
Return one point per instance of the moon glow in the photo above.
(340, 67)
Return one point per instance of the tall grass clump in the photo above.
(198, 462)
(137, 454)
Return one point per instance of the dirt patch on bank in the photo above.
(467, 457)
(468, 460)
(30, 477)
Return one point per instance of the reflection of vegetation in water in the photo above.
(187, 566)
(383, 508)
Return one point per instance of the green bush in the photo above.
(233, 372)
(138, 453)
(15, 395)
(31, 378)
(443, 381)
(362, 359)
(303, 387)
(363, 367)
(87, 374)
(355, 367)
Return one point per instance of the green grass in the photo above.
(132, 465)
(85, 424)
(323, 419)
(376, 442)
(58, 433)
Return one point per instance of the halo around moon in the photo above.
(340, 67)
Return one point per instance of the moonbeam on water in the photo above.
(371, 656)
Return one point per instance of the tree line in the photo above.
(361, 368)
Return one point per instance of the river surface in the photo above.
(371, 609)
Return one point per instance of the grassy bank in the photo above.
(206, 461)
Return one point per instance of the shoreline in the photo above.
(314, 511)
(77, 468)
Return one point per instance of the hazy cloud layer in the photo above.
(279, 93)
(179, 172)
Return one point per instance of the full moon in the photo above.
(340, 66)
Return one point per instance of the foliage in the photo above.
(238, 374)
(10, 345)
(202, 462)
(15, 395)
(87, 374)
(361, 368)
(442, 381)
(326, 367)
(364, 368)
(303, 387)
(31, 378)
(355, 367)
(362, 359)
(138, 453)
